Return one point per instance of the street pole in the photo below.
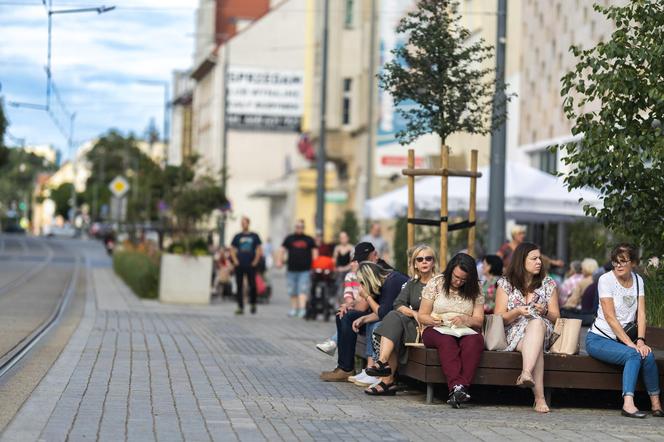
(72, 117)
(497, 172)
(321, 155)
(224, 147)
(370, 107)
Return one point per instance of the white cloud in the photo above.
(97, 61)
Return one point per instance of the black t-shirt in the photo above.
(246, 245)
(299, 251)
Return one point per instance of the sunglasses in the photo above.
(424, 258)
(620, 263)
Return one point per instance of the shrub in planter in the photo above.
(653, 278)
(139, 271)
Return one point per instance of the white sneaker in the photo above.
(292, 313)
(301, 313)
(360, 375)
(366, 380)
(328, 347)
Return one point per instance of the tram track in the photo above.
(29, 339)
(31, 271)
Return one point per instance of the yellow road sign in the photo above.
(119, 186)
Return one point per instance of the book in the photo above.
(455, 331)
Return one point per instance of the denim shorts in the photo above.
(298, 283)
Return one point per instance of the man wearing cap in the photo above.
(301, 250)
(365, 251)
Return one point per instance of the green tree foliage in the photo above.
(615, 99)
(350, 225)
(400, 245)
(115, 154)
(4, 152)
(61, 196)
(439, 71)
(18, 176)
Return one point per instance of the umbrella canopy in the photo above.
(530, 195)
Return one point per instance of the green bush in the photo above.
(653, 278)
(139, 271)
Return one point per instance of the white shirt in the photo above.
(624, 302)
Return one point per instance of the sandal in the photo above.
(658, 413)
(386, 389)
(541, 408)
(380, 370)
(525, 380)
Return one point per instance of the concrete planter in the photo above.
(185, 279)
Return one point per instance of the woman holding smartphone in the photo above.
(527, 300)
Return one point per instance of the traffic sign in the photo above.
(119, 186)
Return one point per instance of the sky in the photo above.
(100, 65)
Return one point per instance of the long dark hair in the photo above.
(471, 288)
(516, 271)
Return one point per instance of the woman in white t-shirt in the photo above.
(621, 295)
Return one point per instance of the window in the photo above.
(345, 116)
(348, 13)
(545, 161)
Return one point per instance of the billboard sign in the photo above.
(264, 99)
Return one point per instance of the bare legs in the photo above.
(532, 354)
(387, 355)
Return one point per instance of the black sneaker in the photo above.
(253, 309)
(457, 396)
(239, 311)
(453, 401)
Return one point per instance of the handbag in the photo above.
(565, 338)
(494, 333)
(631, 329)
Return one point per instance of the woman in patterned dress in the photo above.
(527, 299)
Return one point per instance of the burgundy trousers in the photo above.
(459, 357)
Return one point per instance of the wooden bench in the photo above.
(502, 368)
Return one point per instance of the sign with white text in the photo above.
(264, 99)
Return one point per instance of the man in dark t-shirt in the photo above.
(246, 252)
(301, 250)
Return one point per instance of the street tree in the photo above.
(116, 154)
(4, 152)
(614, 97)
(440, 76)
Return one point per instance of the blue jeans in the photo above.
(370, 327)
(613, 352)
(298, 283)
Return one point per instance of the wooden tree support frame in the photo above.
(444, 172)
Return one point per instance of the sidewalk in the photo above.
(139, 370)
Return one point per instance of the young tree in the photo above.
(615, 98)
(4, 152)
(440, 71)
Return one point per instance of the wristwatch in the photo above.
(641, 339)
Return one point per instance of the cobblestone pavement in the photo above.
(138, 370)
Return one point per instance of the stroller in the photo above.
(323, 285)
(263, 286)
(223, 280)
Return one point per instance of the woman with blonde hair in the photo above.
(400, 325)
(380, 288)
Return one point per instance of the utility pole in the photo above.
(371, 98)
(224, 146)
(74, 164)
(321, 155)
(497, 171)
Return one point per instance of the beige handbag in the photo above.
(494, 333)
(565, 338)
(418, 339)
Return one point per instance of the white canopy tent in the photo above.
(530, 195)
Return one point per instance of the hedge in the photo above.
(139, 271)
